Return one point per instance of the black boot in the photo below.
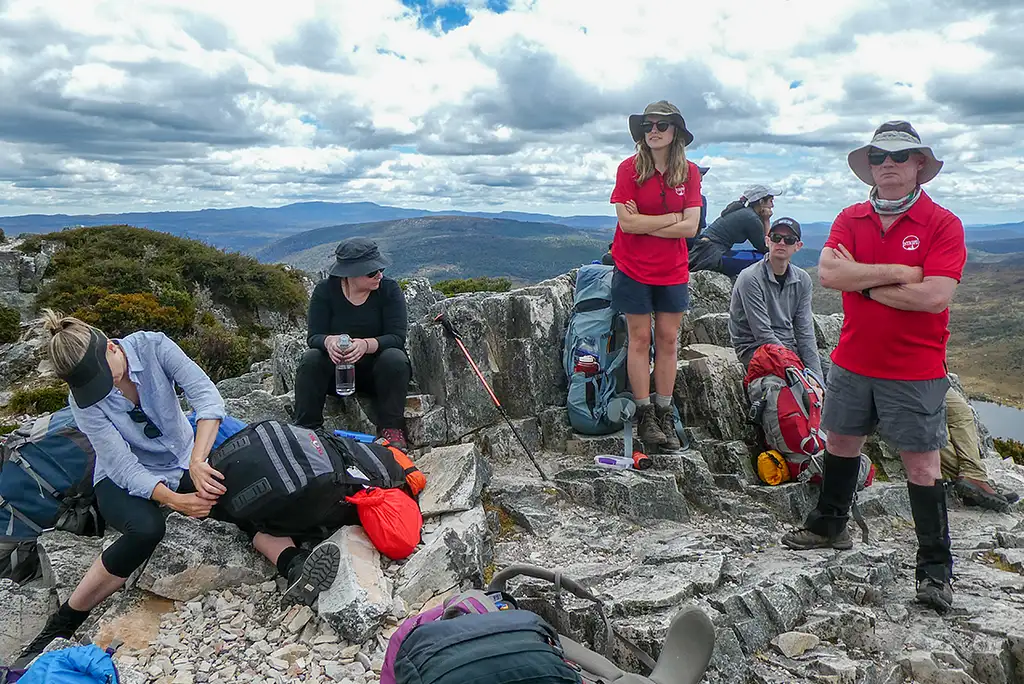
(825, 526)
(63, 624)
(934, 558)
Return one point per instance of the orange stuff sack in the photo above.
(413, 476)
(391, 518)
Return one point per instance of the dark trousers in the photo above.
(141, 523)
(383, 376)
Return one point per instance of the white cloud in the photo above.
(179, 104)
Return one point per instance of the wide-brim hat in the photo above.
(660, 108)
(91, 380)
(893, 136)
(357, 256)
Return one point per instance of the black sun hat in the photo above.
(91, 380)
(357, 256)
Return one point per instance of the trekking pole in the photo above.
(450, 330)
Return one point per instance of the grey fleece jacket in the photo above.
(761, 312)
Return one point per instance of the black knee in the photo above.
(393, 365)
(140, 538)
(315, 361)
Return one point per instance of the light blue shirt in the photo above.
(124, 454)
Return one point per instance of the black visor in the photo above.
(91, 379)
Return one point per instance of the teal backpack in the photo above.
(598, 330)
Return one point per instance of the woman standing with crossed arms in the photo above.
(657, 201)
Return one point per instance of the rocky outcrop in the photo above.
(455, 549)
(23, 612)
(199, 556)
(361, 596)
(456, 477)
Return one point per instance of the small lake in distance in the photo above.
(1002, 421)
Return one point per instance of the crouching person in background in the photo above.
(123, 399)
(771, 302)
(356, 301)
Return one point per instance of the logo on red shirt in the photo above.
(681, 190)
(911, 242)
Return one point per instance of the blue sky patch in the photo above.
(795, 84)
(446, 17)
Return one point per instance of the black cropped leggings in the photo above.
(141, 523)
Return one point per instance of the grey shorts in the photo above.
(909, 414)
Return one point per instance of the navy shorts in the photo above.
(632, 297)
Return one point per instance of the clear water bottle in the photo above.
(344, 373)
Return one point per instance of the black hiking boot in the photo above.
(825, 526)
(648, 428)
(667, 422)
(61, 625)
(980, 493)
(934, 558)
(313, 572)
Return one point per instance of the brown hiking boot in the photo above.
(667, 421)
(804, 540)
(648, 428)
(980, 493)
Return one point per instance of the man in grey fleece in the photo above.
(771, 302)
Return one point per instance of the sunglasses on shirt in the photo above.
(788, 239)
(139, 416)
(877, 157)
(648, 126)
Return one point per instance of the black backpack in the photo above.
(288, 480)
(491, 648)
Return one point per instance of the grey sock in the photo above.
(643, 402)
(662, 401)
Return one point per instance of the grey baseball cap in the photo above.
(786, 222)
(758, 192)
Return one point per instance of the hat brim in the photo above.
(358, 268)
(91, 380)
(858, 160)
(635, 120)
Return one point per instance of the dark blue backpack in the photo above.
(490, 648)
(46, 468)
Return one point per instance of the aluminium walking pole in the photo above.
(450, 330)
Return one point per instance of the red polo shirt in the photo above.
(877, 340)
(645, 258)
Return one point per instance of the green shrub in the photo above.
(10, 324)
(36, 400)
(222, 353)
(1010, 448)
(481, 284)
(121, 314)
(8, 429)
(3, 236)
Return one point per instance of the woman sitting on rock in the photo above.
(745, 220)
(357, 300)
(657, 200)
(147, 456)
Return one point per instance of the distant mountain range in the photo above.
(441, 247)
(244, 229)
(285, 233)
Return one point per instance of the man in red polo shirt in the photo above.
(897, 259)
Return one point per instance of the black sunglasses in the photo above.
(139, 416)
(788, 239)
(374, 274)
(648, 126)
(877, 157)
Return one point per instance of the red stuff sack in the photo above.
(391, 518)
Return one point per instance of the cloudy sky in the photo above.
(494, 104)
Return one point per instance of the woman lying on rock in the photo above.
(147, 456)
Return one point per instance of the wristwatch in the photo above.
(866, 292)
